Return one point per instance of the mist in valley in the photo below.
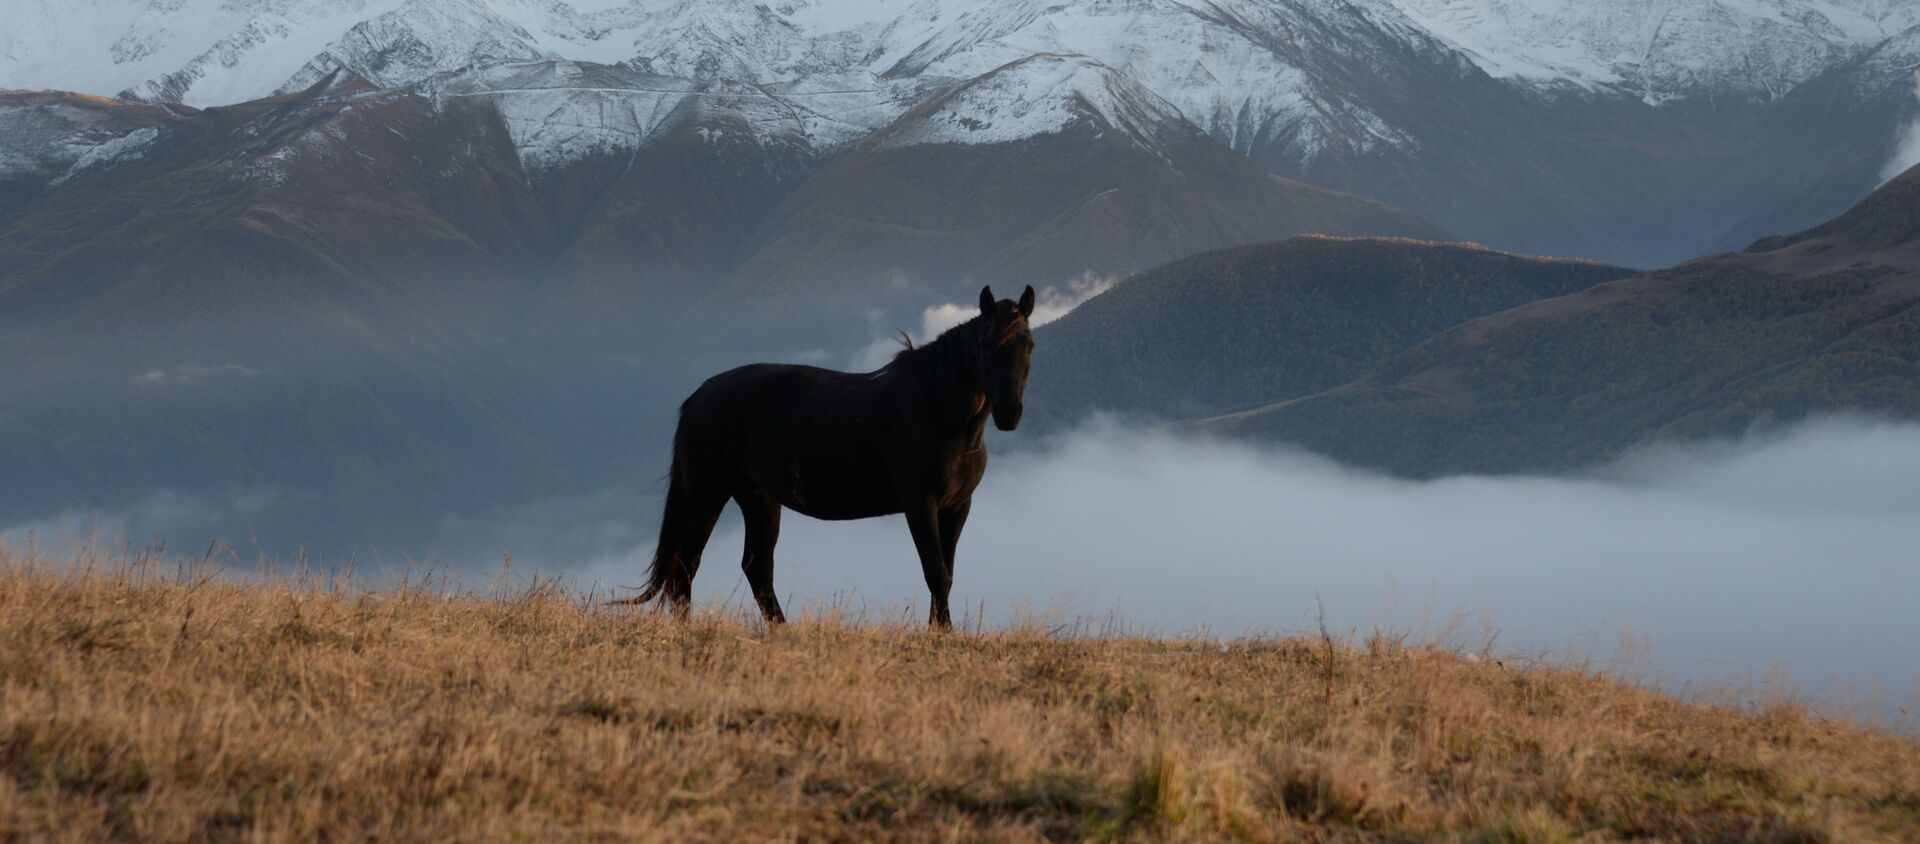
(1783, 560)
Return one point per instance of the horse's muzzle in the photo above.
(1006, 415)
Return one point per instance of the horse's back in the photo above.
(813, 438)
(766, 391)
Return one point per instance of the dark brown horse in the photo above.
(839, 445)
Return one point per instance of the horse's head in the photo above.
(1006, 350)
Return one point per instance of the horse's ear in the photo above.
(986, 299)
(1026, 302)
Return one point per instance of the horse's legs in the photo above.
(924, 521)
(952, 521)
(703, 512)
(762, 516)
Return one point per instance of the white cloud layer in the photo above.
(1906, 149)
(1797, 552)
(1050, 303)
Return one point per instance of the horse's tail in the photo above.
(668, 562)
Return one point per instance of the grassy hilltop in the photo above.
(146, 704)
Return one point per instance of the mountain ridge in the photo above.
(1246, 325)
(1824, 321)
(1632, 120)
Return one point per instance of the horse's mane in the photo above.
(947, 355)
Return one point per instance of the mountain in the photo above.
(1629, 130)
(1834, 134)
(1827, 320)
(1249, 324)
(48, 138)
(612, 190)
(1043, 170)
(1662, 51)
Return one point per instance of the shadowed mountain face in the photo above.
(1098, 176)
(1597, 175)
(1825, 320)
(1233, 327)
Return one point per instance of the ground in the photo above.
(157, 700)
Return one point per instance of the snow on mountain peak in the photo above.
(58, 136)
(1661, 50)
(1038, 95)
(212, 52)
(1251, 73)
(559, 111)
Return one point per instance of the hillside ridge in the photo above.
(156, 698)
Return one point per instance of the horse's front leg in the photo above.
(952, 521)
(923, 520)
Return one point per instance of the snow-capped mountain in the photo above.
(1663, 50)
(217, 51)
(1039, 95)
(1615, 129)
(1229, 65)
(561, 111)
(51, 137)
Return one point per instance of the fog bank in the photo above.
(1906, 148)
(1797, 552)
(1794, 553)
(1051, 302)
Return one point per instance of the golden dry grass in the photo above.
(146, 704)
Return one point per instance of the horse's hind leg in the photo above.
(762, 516)
(703, 511)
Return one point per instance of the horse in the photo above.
(907, 438)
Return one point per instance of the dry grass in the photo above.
(149, 705)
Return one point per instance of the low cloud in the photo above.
(1906, 148)
(1051, 302)
(181, 376)
(1056, 301)
(158, 517)
(1799, 551)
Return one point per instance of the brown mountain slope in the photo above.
(1119, 187)
(1232, 327)
(1824, 321)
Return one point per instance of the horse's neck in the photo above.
(944, 375)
